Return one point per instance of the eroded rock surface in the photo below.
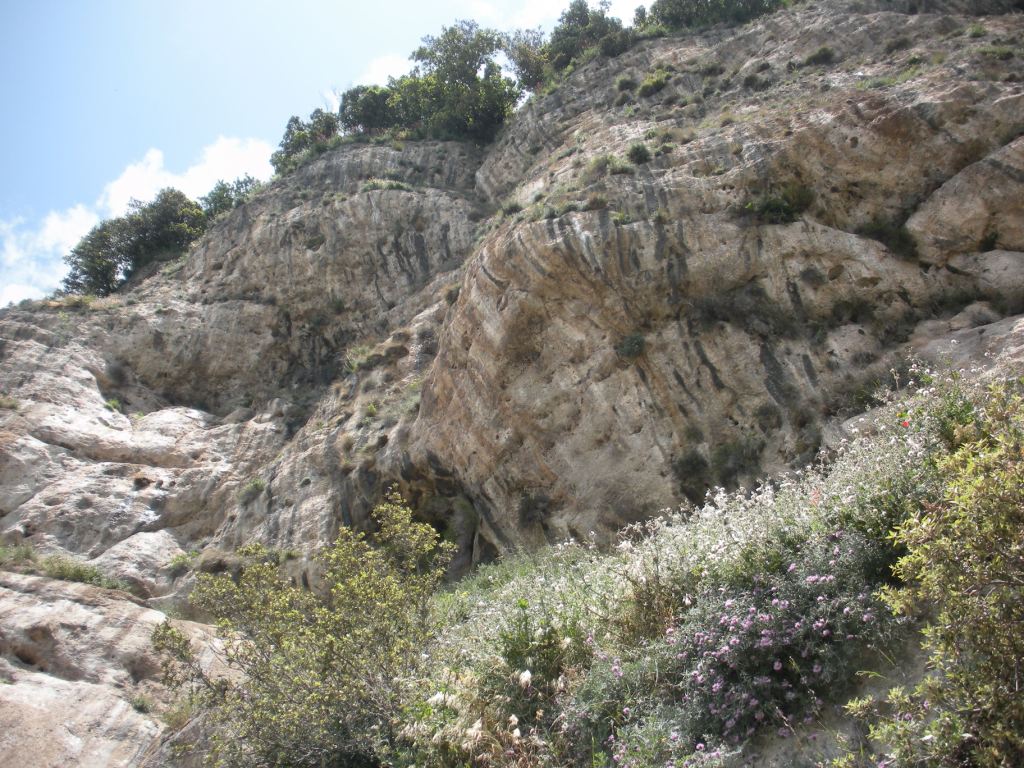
(78, 678)
(622, 342)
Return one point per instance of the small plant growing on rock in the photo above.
(251, 490)
(821, 57)
(653, 83)
(16, 555)
(783, 207)
(618, 166)
(113, 404)
(374, 183)
(631, 346)
(8, 403)
(70, 569)
(142, 704)
(638, 153)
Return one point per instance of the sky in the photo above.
(110, 100)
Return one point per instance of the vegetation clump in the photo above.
(653, 83)
(321, 675)
(701, 631)
(782, 207)
(251, 490)
(638, 153)
(821, 57)
(631, 346)
(963, 574)
(693, 14)
(372, 184)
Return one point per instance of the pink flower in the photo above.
(777, 666)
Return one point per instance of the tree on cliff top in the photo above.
(116, 248)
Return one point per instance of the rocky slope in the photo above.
(532, 340)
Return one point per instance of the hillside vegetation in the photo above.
(703, 632)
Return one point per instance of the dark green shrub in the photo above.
(689, 14)
(691, 472)
(638, 153)
(734, 459)
(631, 346)
(783, 207)
(316, 678)
(898, 44)
(893, 235)
(625, 83)
(653, 83)
(821, 57)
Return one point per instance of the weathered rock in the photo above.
(625, 341)
(77, 675)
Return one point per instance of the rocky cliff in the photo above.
(532, 340)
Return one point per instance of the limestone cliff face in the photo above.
(537, 339)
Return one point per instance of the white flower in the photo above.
(513, 720)
(524, 678)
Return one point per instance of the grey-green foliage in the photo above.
(690, 14)
(318, 678)
(116, 248)
(456, 90)
(225, 197)
(305, 138)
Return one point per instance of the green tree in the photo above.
(367, 109)
(96, 263)
(527, 52)
(302, 137)
(688, 14)
(581, 28)
(468, 97)
(161, 228)
(322, 673)
(223, 197)
(115, 249)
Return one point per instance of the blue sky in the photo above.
(106, 100)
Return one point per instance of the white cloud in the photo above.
(380, 69)
(62, 230)
(32, 253)
(332, 99)
(225, 159)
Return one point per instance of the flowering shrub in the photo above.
(701, 632)
(705, 628)
(964, 571)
